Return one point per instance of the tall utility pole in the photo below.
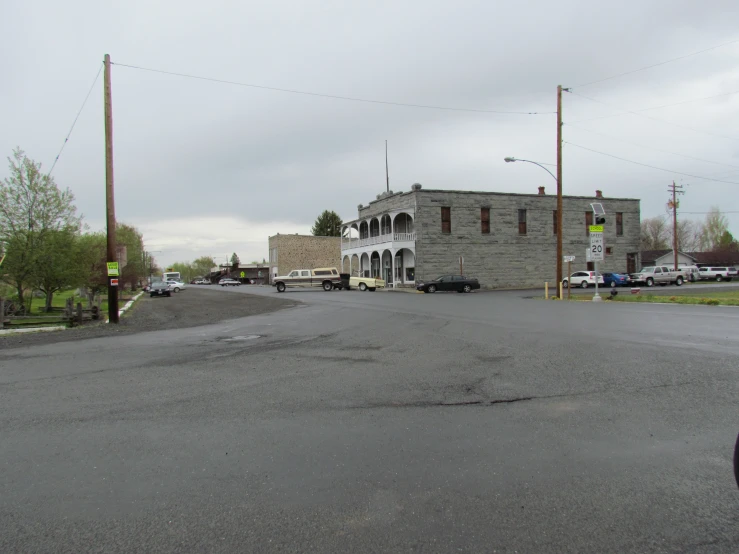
(673, 203)
(387, 172)
(109, 198)
(560, 230)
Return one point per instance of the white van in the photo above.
(716, 273)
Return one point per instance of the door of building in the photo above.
(631, 263)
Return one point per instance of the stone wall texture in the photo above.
(504, 258)
(304, 252)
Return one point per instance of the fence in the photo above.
(70, 315)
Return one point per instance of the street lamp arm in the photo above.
(541, 166)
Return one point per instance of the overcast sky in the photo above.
(206, 168)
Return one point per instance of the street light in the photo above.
(510, 159)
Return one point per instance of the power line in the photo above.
(75, 120)
(658, 64)
(652, 166)
(652, 147)
(651, 118)
(332, 96)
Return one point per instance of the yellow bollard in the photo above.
(546, 291)
(560, 292)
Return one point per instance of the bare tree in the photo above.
(654, 234)
(688, 235)
(714, 227)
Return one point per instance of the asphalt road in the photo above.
(380, 422)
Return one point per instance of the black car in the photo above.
(160, 289)
(459, 283)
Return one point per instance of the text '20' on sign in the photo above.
(596, 244)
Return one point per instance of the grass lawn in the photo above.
(707, 298)
(60, 299)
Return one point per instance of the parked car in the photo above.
(657, 275)
(176, 286)
(615, 279)
(582, 279)
(458, 283)
(716, 273)
(228, 282)
(361, 283)
(159, 288)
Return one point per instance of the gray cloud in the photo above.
(193, 149)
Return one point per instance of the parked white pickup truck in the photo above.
(657, 275)
(366, 283)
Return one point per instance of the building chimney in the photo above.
(599, 194)
(416, 187)
(541, 191)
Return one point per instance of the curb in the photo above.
(127, 306)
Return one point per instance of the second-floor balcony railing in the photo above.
(348, 244)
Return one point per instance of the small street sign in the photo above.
(568, 259)
(596, 245)
(596, 228)
(113, 269)
(242, 274)
(114, 282)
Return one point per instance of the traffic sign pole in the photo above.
(596, 253)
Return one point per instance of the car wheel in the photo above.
(584, 284)
(679, 281)
(328, 286)
(719, 278)
(467, 288)
(280, 287)
(432, 288)
(565, 284)
(650, 282)
(362, 287)
(177, 289)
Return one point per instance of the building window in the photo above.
(521, 222)
(588, 222)
(591, 266)
(619, 224)
(485, 220)
(609, 250)
(446, 220)
(554, 222)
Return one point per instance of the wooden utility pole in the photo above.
(109, 198)
(387, 171)
(560, 229)
(673, 203)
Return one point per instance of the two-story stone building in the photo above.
(288, 252)
(504, 239)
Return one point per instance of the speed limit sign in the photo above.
(596, 247)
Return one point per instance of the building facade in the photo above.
(505, 240)
(288, 252)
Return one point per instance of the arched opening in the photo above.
(353, 231)
(363, 230)
(403, 227)
(364, 265)
(346, 265)
(374, 227)
(387, 266)
(385, 225)
(375, 265)
(354, 263)
(405, 266)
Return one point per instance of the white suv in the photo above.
(716, 273)
(582, 279)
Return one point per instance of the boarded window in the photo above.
(591, 266)
(485, 220)
(619, 224)
(446, 220)
(521, 222)
(554, 222)
(609, 250)
(588, 222)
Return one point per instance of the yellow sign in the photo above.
(243, 274)
(113, 269)
(596, 228)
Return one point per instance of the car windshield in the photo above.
(647, 270)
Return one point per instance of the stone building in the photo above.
(288, 252)
(505, 240)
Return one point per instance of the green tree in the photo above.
(328, 224)
(202, 266)
(234, 260)
(185, 269)
(58, 264)
(129, 238)
(727, 242)
(92, 252)
(31, 206)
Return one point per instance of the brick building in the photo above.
(288, 252)
(505, 240)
